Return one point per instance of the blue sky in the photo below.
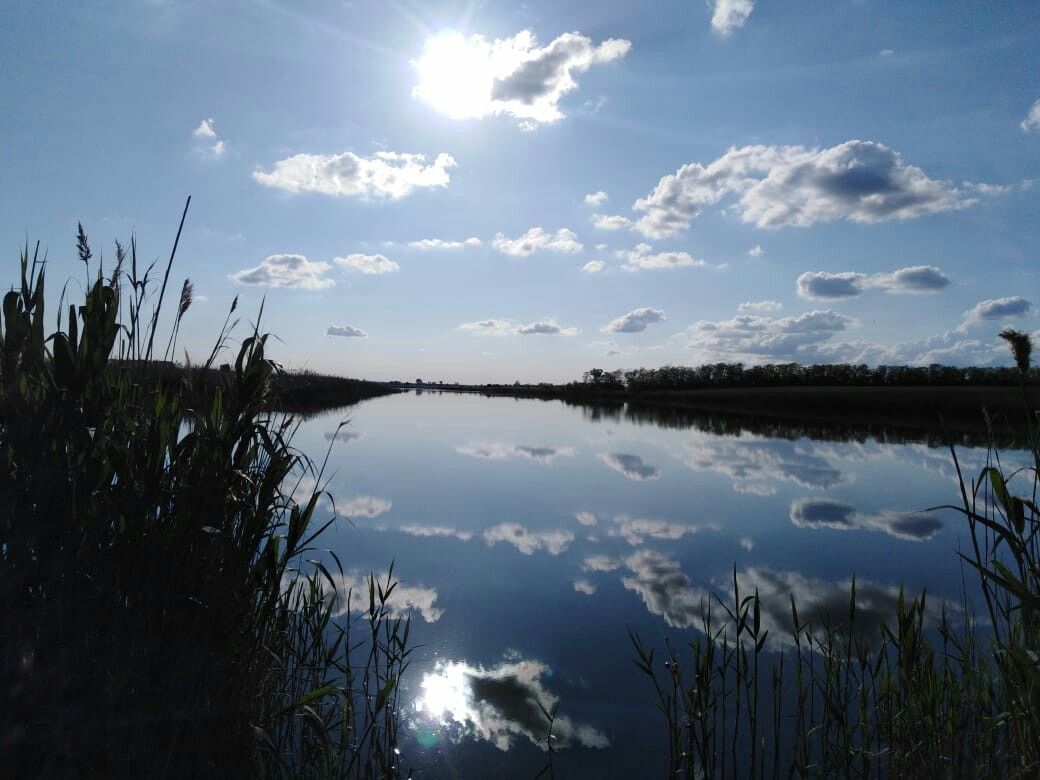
(497, 191)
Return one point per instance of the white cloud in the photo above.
(537, 240)
(997, 309)
(401, 601)
(364, 506)
(636, 531)
(470, 78)
(584, 586)
(632, 466)
(777, 186)
(760, 306)
(822, 286)
(498, 451)
(498, 705)
(385, 175)
(545, 328)
(730, 15)
(597, 198)
(586, 518)
(437, 243)
(1032, 120)
(849, 284)
(636, 321)
(218, 149)
(494, 327)
(434, 531)
(751, 466)
(528, 542)
(205, 129)
(600, 563)
(346, 330)
(610, 222)
(286, 271)
(887, 52)
(593, 266)
(826, 513)
(785, 338)
(641, 258)
(367, 264)
(756, 251)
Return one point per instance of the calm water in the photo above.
(528, 535)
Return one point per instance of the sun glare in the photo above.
(455, 75)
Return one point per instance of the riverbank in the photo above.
(962, 408)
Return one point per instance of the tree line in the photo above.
(712, 375)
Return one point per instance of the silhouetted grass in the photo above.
(155, 621)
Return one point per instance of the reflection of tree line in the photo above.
(734, 424)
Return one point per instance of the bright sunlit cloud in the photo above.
(470, 78)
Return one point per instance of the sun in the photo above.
(455, 75)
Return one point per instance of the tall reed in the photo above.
(155, 621)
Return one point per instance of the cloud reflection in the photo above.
(364, 506)
(632, 466)
(667, 591)
(497, 705)
(637, 530)
(499, 451)
(528, 542)
(403, 600)
(343, 437)
(748, 465)
(825, 513)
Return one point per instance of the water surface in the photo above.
(528, 535)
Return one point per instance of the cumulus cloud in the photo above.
(499, 705)
(597, 198)
(286, 271)
(545, 328)
(593, 266)
(636, 531)
(348, 331)
(777, 186)
(367, 264)
(756, 251)
(365, 506)
(470, 78)
(210, 143)
(528, 542)
(434, 531)
(499, 451)
(750, 465)
(437, 243)
(1032, 120)
(495, 327)
(730, 15)
(600, 563)
(610, 221)
(997, 309)
(642, 258)
(636, 321)
(403, 600)
(760, 306)
(823, 286)
(825, 513)
(632, 466)
(537, 240)
(784, 338)
(386, 175)
(586, 518)
(667, 591)
(584, 586)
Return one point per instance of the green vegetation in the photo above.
(156, 621)
(960, 698)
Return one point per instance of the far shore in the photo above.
(928, 408)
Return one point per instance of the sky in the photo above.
(490, 192)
